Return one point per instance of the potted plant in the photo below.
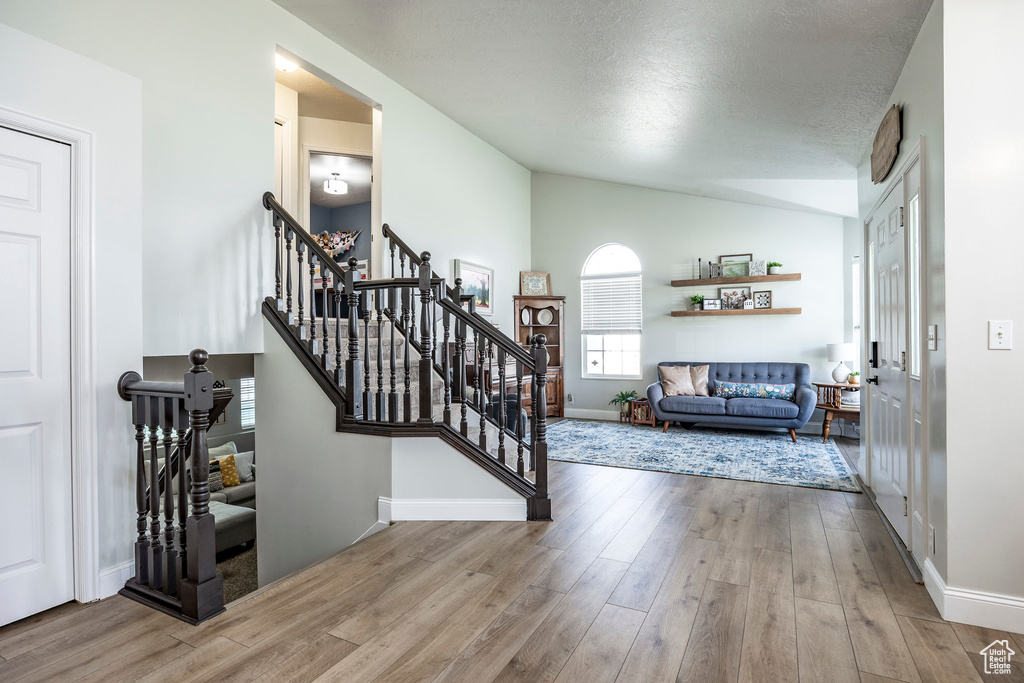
(854, 378)
(697, 300)
(774, 268)
(623, 399)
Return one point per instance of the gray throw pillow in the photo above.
(244, 464)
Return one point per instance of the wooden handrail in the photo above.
(322, 256)
(480, 324)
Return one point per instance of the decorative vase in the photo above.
(775, 270)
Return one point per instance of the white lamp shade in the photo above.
(840, 352)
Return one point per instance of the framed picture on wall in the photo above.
(733, 297)
(736, 265)
(534, 284)
(478, 281)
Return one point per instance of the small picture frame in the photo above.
(534, 284)
(477, 281)
(733, 297)
(714, 270)
(735, 265)
(712, 304)
(763, 299)
(758, 268)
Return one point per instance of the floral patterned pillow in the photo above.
(742, 390)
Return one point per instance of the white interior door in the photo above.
(887, 388)
(36, 557)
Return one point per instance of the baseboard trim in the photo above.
(112, 579)
(591, 414)
(379, 525)
(977, 608)
(462, 510)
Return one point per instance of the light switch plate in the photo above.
(1000, 334)
(933, 337)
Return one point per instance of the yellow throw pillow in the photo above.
(699, 377)
(228, 471)
(675, 380)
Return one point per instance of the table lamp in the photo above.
(841, 352)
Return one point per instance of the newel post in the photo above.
(426, 344)
(353, 365)
(202, 591)
(539, 507)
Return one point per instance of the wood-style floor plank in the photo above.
(937, 651)
(711, 653)
(140, 662)
(634, 533)
(712, 510)
(769, 634)
(773, 531)
(813, 575)
(542, 656)
(735, 555)
(823, 643)
(835, 513)
(599, 656)
(877, 640)
(976, 638)
(308, 663)
(906, 596)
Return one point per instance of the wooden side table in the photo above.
(830, 400)
(641, 413)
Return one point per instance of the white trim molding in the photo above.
(977, 608)
(453, 509)
(112, 579)
(84, 491)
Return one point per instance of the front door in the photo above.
(36, 558)
(887, 388)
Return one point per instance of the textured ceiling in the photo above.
(657, 93)
(353, 170)
(322, 100)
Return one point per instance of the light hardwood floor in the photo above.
(642, 576)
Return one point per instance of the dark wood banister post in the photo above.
(202, 591)
(353, 365)
(426, 345)
(539, 507)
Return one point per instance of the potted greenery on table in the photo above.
(624, 399)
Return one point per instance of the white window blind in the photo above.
(248, 401)
(612, 304)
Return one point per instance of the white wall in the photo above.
(286, 107)
(669, 231)
(918, 91)
(431, 480)
(207, 72)
(316, 489)
(55, 84)
(984, 145)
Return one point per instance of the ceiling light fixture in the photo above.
(284, 64)
(335, 185)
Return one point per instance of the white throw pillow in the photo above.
(220, 451)
(244, 464)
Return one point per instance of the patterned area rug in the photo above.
(729, 454)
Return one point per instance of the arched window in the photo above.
(611, 288)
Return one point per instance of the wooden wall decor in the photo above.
(887, 144)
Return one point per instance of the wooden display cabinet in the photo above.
(531, 319)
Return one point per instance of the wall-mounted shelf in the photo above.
(750, 279)
(739, 311)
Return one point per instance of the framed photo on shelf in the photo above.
(534, 284)
(736, 265)
(763, 299)
(733, 297)
(478, 281)
(758, 268)
(712, 304)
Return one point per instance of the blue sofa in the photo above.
(746, 412)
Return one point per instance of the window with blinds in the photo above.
(248, 402)
(611, 289)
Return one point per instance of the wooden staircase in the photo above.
(408, 356)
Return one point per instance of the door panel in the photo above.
(36, 559)
(888, 397)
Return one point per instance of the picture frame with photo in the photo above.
(763, 299)
(733, 297)
(478, 281)
(534, 284)
(736, 265)
(712, 304)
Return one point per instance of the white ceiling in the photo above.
(353, 170)
(320, 99)
(656, 93)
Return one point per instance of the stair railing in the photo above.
(414, 309)
(175, 565)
